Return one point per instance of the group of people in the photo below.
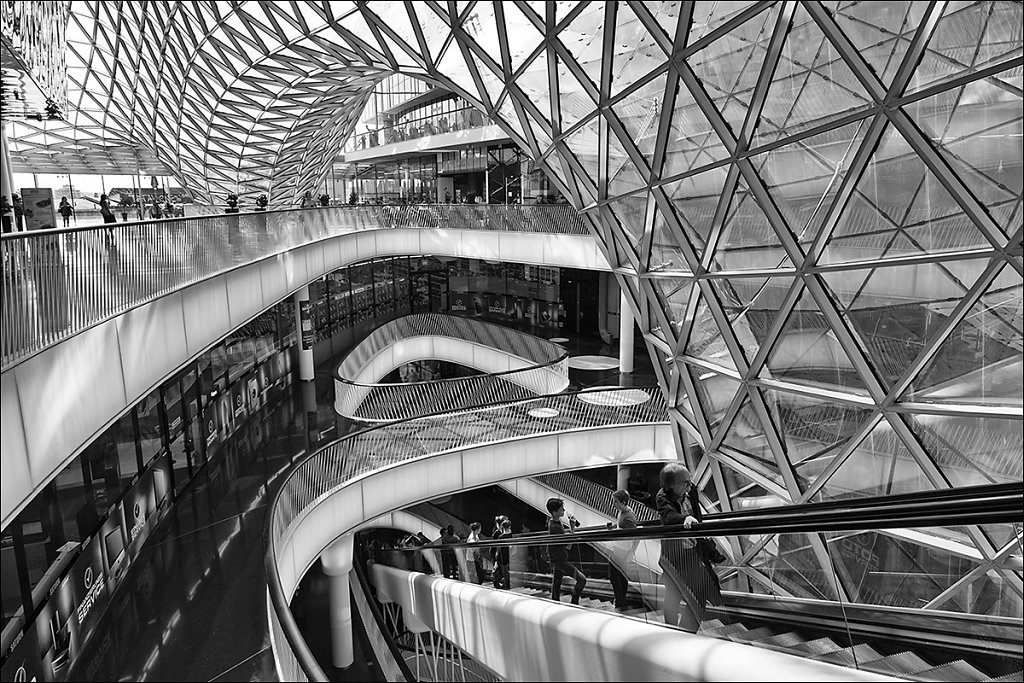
(687, 572)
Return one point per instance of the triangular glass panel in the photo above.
(808, 352)
(692, 142)
(583, 37)
(674, 295)
(813, 430)
(794, 567)
(635, 52)
(583, 143)
(897, 310)
(751, 305)
(977, 129)
(573, 102)
(992, 594)
(899, 194)
(493, 84)
(880, 32)
(623, 174)
(640, 114)
(523, 36)
(747, 435)
(709, 495)
(715, 393)
(630, 213)
(666, 252)
(811, 85)
(980, 361)
(804, 177)
(706, 341)
(880, 465)
(695, 200)
(748, 241)
(708, 15)
(969, 37)
(534, 82)
(972, 450)
(729, 67)
(435, 30)
(482, 26)
(1002, 535)
(887, 568)
(394, 17)
(453, 65)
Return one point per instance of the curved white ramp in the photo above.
(516, 366)
(529, 639)
(87, 381)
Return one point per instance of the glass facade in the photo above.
(817, 207)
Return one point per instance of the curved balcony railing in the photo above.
(333, 466)
(57, 283)
(537, 367)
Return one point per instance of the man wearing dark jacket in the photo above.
(559, 554)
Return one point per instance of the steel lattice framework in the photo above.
(815, 207)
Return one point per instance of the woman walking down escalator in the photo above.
(689, 580)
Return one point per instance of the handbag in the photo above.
(709, 549)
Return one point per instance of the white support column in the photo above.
(622, 474)
(304, 329)
(337, 564)
(626, 326)
(6, 175)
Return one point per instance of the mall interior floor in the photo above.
(193, 607)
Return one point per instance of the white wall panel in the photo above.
(17, 477)
(152, 342)
(66, 393)
(204, 306)
(245, 294)
(80, 380)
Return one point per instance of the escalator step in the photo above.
(954, 671)
(724, 631)
(1015, 676)
(782, 641)
(819, 646)
(710, 624)
(850, 656)
(752, 635)
(902, 663)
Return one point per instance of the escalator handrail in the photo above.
(359, 566)
(978, 505)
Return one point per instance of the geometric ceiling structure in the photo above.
(815, 208)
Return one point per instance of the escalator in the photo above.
(760, 608)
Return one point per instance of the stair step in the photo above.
(724, 631)
(711, 623)
(850, 656)
(783, 641)
(954, 671)
(902, 663)
(1015, 676)
(818, 646)
(752, 635)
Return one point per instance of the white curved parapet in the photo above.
(517, 365)
(57, 401)
(529, 639)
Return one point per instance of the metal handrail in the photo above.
(333, 466)
(548, 372)
(592, 495)
(57, 283)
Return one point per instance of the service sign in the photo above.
(89, 586)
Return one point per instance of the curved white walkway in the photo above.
(57, 401)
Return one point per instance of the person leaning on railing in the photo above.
(690, 581)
